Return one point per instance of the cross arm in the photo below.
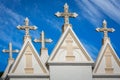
(73, 14)
(9, 51)
(48, 40)
(15, 51)
(37, 40)
(59, 14)
(99, 29)
(21, 27)
(4, 50)
(32, 27)
(105, 29)
(111, 29)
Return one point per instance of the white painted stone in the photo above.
(70, 72)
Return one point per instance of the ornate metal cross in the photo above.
(66, 14)
(26, 27)
(43, 40)
(105, 30)
(10, 51)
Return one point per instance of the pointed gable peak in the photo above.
(69, 50)
(107, 61)
(29, 58)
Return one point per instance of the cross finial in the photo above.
(43, 40)
(26, 21)
(105, 30)
(10, 51)
(66, 14)
(104, 24)
(66, 6)
(26, 27)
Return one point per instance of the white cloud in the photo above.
(89, 11)
(54, 24)
(94, 10)
(110, 9)
(9, 21)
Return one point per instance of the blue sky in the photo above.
(91, 13)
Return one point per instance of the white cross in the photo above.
(43, 40)
(26, 27)
(66, 14)
(105, 30)
(10, 51)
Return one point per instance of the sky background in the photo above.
(91, 13)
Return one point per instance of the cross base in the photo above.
(10, 60)
(104, 40)
(109, 70)
(29, 70)
(44, 55)
(64, 27)
(70, 58)
(43, 51)
(43, 48)
(27, 37)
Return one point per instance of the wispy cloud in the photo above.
(94, 11)
(89, 11)
(92, 50)
(9, 21)
(110, 8)
(54, 24)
